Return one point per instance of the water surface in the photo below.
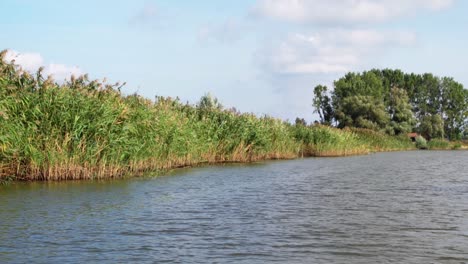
(403, 207)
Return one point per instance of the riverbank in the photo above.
(64, 133)
(60, 133)
(85, 129)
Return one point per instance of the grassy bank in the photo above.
(324, 141)
(89, 130)
(440, 144)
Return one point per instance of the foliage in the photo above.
(438, 144)
(88, 129)
(362, 112)
(319, 140)
(401, 117)
(208, 102)
(382, 142)
(322, 104)
(457, 145)
(421, 143)
(300, 122)
(432, 126)
(438, 107)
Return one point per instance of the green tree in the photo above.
(322, 104)
(363, 112)
(432, 126)
(208, 102)
(390, 78)
(418, 99)
(300, 122)
(453, 107)
(401, 115)
(366, 84)
(428, 96)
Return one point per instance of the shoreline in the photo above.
(87, 129)
(165, 170)
(121, 173)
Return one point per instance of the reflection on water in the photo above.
(404, 207)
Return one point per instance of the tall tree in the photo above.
(366, 84)
(453, 107)
(401, 115)
(322, 104)
(425, 102)
(432, 126)
(362, 111)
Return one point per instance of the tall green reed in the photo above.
(87, 129)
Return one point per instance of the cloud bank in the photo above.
(31, 62)
(329, 51)
(344, 11)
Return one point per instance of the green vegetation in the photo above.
(421, 143)
(396, 103)
(440, 144)
(326, 141)
(85, 129)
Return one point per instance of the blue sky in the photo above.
(261, 56)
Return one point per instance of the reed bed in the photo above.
(84, 129)
(442, 144)
(325, 141)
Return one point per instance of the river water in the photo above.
(402, 207)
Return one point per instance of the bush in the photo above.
(421, 143)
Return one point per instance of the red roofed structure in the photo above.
(413, 136)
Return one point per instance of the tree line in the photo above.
(395, 102)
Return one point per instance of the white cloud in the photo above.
(344, 11)
(31, 62)
(61, 71)
(331, 51)
(28, 61)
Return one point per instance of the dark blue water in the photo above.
(402, 207)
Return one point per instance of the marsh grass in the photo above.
(439, 144)
(442, 144)
(85, 129)
(324, 141)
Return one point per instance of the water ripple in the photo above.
(408, 207)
